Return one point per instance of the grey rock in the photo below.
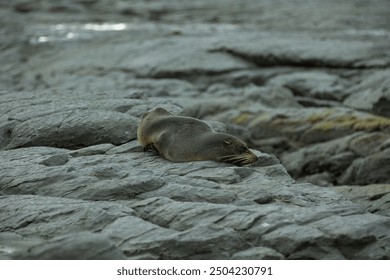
(159, 209)
(47, 217)
(201, 242)
(74, 129)
(358, 240)
(368, 143)
(180, 192)
(275, 145)
(92, 150)
(258, 76)
(332, 156)
(173, 58)
(264, 159)
(258, 253)
(305, 51)
(12, 244)
(143, 107)
(372, 94)
(56, 160)
(182, 56)
(288, 238)
(371, 169)
(323, 229)
(323, 179)
(315, 84)
(374, 198)
(217, 126)
(314, 102)
(344, 160)
(90, 177)
(302, 126)
(269, 223)
(271, 96)
(204, 108)
(162, 87)
(225, 175)
(77, 246)
(94, 110)
(132, 146)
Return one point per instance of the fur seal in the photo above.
(179, 139)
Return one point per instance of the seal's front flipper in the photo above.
(151, 147)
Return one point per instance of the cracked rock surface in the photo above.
(306, 86)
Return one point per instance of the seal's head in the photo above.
(232, 149)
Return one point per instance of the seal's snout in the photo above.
(249, 158)
(244, 158)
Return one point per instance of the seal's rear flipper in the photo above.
(150, 147)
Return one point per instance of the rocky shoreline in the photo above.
(310, 97)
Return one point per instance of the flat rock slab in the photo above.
(301, 50)
(138, 205)
(77, 246)
(47, 217)
(74, 129)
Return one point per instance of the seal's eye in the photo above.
(228, 142)
(243, 149)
